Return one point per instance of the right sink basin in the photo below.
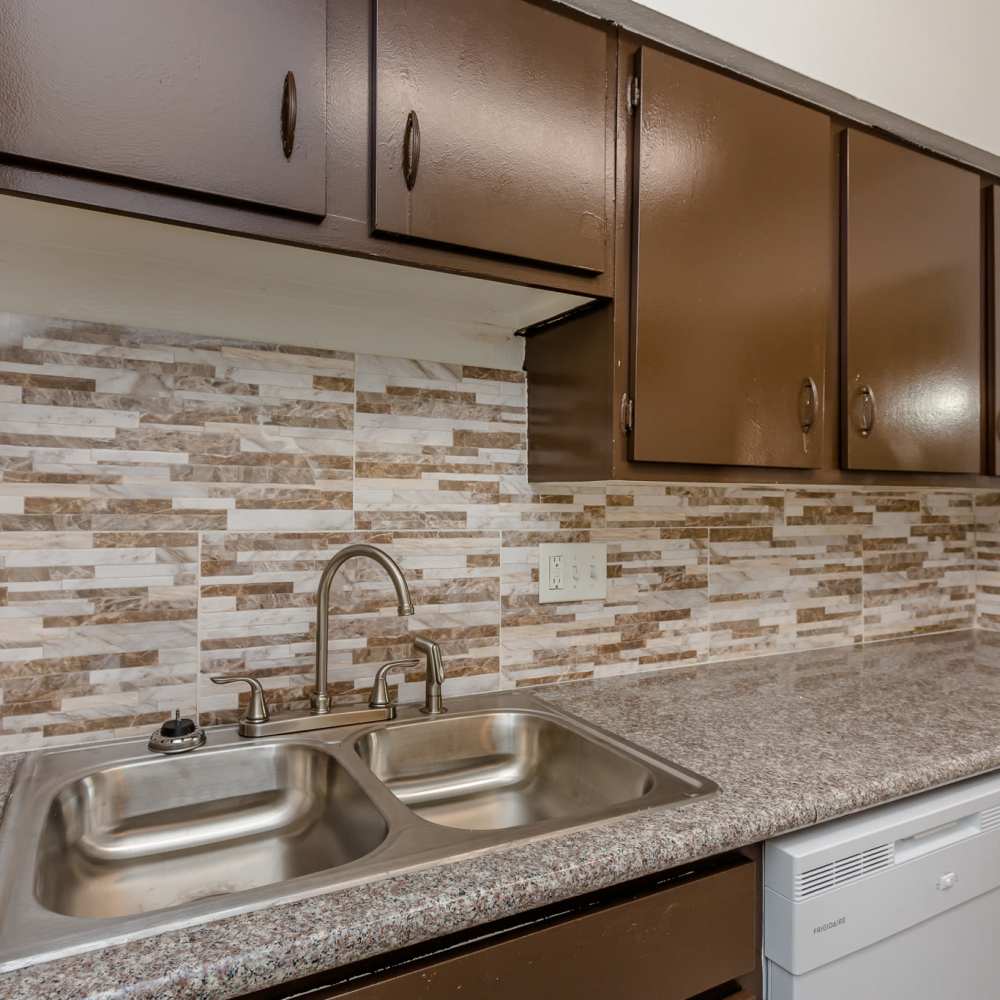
(495, 770)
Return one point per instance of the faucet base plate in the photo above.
(304, 722)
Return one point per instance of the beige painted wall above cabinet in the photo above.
(912, 320)
(187, 93)
(734, 259)
(929, 61)
(493, 128)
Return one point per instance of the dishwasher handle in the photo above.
(937, 837)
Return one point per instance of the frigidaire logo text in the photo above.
(829, 926)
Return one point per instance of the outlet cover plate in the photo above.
(576, 572)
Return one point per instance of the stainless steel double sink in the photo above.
(104, 844)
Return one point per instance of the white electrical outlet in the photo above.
(577, 572)
(555, 566)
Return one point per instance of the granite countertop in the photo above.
(791, 740)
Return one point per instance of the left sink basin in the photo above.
(103, 844)
(161, 832)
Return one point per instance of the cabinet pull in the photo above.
(808, 402)
(865, 411)
(411, 149)
(627, 413)
(289, 112)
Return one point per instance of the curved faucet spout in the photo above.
(320, 699)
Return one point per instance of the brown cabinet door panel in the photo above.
(669, 945)
(185, 93)
(510, 106)
(913, 335)
(735, 263)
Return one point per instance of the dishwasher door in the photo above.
(900, 901)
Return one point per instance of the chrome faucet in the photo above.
(320, 699)
(257, 721)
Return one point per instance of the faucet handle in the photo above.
(380, 689)
(257, 711)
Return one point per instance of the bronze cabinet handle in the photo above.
(289, 113)
(411, 149)
(808, 404)
(865, 411)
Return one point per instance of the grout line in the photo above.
(499, 542)
(864, 624)
(197, 630)
(975, 562)
(354, 445)
(708, 596)
(922, 635)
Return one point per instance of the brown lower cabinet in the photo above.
(688, 934)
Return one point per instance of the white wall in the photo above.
(933, 61)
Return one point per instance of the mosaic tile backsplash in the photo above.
(167, 503)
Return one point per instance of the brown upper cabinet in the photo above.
(493, 129)
(734, 270)
(912, 312)
(219, 97)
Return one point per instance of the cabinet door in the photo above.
(734, 231)
(912, 318)
(669, 945)
(490, 130)
(186, 93)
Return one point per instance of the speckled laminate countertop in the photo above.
(792, 740)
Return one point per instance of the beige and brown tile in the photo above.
(98, 633)
(695, 505)
(655, 613)
(122, 429)
(124, 450)
(435, 443)
(919, 563)
(776, 589)
(842, 508)
(637, 505)
(258, 611)
(987, 528)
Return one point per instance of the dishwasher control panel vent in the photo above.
(843, 870)
(989, 819)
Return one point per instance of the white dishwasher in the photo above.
(901, 901)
